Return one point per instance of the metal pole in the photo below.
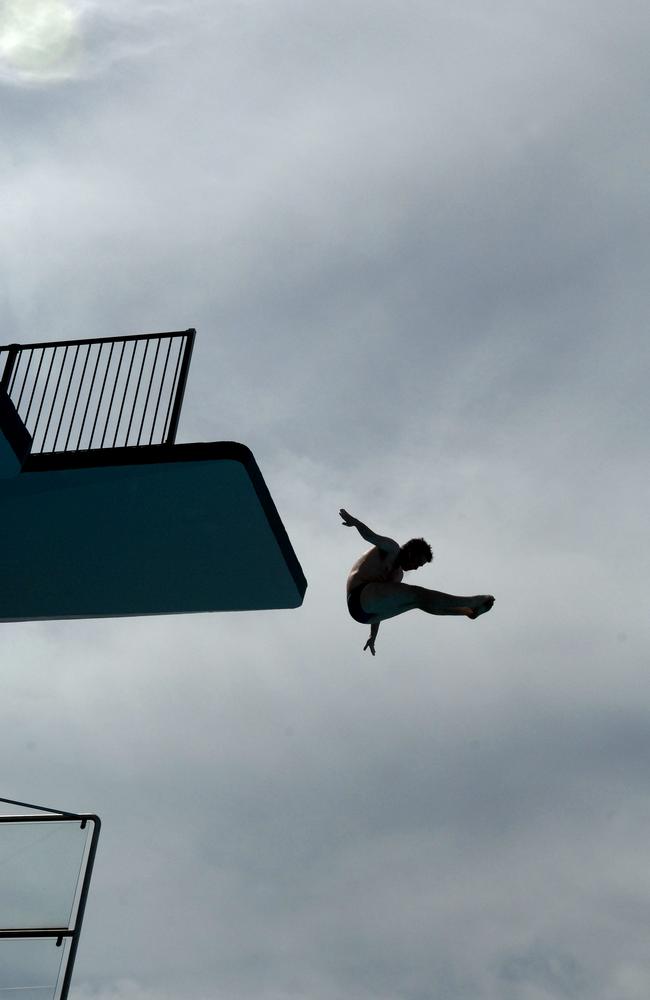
(12, 353)
(43, 809)
(95, 820)
(180, 390)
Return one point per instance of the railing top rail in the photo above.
(98, 340)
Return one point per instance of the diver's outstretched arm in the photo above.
(384, 543)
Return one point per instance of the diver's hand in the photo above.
(370, 645)
(348, 520)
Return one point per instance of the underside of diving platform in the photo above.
(161, 530)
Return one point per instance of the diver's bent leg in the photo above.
(386, 600)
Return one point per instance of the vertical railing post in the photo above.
(180, 389)
(12, 353)
(95, 820)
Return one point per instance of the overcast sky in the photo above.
(413, 239)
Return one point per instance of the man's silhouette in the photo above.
(375, 588)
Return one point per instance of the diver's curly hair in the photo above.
(421, 548)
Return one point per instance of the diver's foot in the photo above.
(480, 609)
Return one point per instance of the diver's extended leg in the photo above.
(386, 600)
(434, 602)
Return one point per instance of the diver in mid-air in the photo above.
(375, 588)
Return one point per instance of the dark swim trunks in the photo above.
(354, 606)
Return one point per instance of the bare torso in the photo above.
(375, 566)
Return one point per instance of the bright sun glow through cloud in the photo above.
(38, 38)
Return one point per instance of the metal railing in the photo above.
(68, 935)
(105, 393)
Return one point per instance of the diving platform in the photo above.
(104, 515)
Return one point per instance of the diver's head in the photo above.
(414, 553)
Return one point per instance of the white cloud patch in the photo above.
(38, 39)
(48, 42)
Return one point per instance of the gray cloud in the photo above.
(414, 250)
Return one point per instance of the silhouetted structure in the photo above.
(48, 858)
(103, 514)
